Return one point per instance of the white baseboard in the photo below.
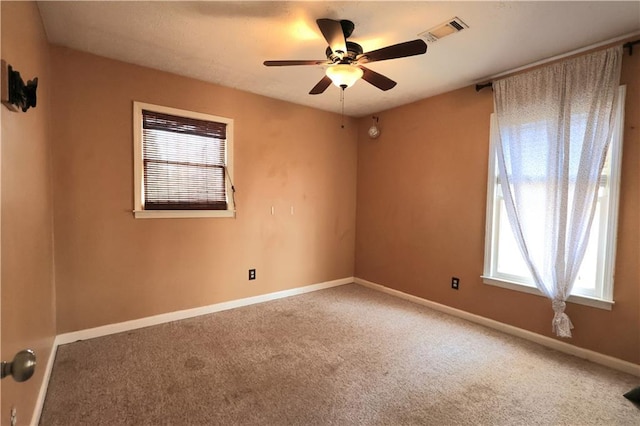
(596, 357)
(35, 417)
(105, 330)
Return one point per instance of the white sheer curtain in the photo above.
(555, 124)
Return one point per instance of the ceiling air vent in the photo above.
(453, 25)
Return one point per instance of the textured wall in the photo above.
(422, 207)
(111, 267)
(28, 312)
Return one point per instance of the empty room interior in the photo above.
(320, 212)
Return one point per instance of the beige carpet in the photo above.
(342, 356)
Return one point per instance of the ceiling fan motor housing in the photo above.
(353, 50)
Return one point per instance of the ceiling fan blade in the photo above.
(400, 50)
(332, 32)
(289, 63)
(321, 86)
(378, 80)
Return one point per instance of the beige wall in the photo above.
(111, 267)
(421, 217)
(28, 312)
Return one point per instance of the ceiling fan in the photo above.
(345, 59)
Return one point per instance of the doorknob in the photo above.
(22, 366)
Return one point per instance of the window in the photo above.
(504, 265)
(182, 163)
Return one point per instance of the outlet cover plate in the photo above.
(455, 283)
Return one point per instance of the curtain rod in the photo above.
(628, 45)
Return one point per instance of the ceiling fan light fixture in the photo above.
(344, 75)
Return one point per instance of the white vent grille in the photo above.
(449, 27)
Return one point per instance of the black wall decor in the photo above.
(18, 95)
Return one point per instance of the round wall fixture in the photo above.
(374, 131)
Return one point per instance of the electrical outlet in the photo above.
(14, 416)
(252, 274)
(455, 283)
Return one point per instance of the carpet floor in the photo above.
(342, 356)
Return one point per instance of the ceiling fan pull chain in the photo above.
(342, 102)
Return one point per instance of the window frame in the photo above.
(138, 168)
(490, 276)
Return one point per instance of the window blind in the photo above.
(184, 163)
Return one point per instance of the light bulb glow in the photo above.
(344, 75)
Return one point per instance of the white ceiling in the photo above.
(226, 42)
